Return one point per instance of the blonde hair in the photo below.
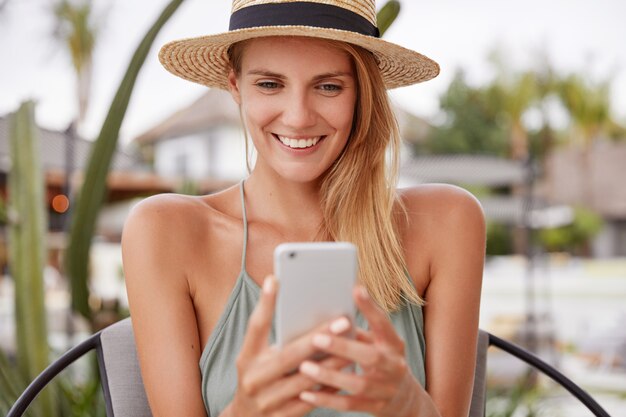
(358, 196)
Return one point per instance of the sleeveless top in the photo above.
(217, 363)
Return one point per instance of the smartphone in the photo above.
(315, 285)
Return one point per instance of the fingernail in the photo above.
(268, 285)
(309, 368)
(307, 396)
(340, 325)
(321, 340)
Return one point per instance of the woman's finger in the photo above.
(290, 387)
(260, 321)
(345, 381)
(282, 390)
(379, 323)
(367, 355)
(364, 336)
(342, 402)
(275, 363)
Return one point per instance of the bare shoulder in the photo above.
(170, 230)
(174, 216)
(444, 240)
(159, 220)
(438, 220)
(442, 206)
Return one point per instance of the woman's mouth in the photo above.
(299, 143)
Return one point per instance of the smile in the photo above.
(299, 143)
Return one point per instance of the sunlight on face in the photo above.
(297, 97)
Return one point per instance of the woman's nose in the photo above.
(299, 111)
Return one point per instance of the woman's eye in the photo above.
(268, 85)
(330, 88)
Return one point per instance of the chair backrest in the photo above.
(122, 384)
(119, 371)
(477, 407)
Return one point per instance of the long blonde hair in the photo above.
(358, 196)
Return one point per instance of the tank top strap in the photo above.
(245, 227)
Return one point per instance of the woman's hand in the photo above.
(386, 386)
(268, 381)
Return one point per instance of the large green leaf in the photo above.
(93, 190)
(386, 15)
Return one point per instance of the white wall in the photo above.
(218, 153)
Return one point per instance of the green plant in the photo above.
(575, 236)
(91, 197)
(499, 239)
(387, 15)
(27, 225)
(519, 400)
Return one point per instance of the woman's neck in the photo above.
(285, 204)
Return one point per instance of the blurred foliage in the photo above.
(510, 116)
(386, 15)
(575, 236)
(91, 197)
(588, 105)
(77, 32)
(513, 116)
(499, 239)
(519, 400)
(26, 217)
(27, 246)
(188, 187)
(471, 124)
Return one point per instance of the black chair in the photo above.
(125, 396)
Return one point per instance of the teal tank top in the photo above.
(217, 363)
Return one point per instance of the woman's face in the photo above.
(297, 96)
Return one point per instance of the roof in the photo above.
(464, 169)
(53, 145)
(215, 107)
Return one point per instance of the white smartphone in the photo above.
(315, 285)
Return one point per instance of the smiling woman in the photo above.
(311, 81)
(297, 97)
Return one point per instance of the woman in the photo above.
(309, 78)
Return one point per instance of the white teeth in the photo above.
(299, 143)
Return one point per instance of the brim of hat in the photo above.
(204, 60)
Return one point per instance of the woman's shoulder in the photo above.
(434, 211)
(161, 212)
(439, 201)
(439, 220)
(175, 216)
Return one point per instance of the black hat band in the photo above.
(301, 14)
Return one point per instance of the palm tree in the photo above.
(589, 108)
(513, 93)
(77, 32)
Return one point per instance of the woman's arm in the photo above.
(447, 224)
(162, 311)
(166, 332)
(457, 253)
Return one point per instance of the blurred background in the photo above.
(528, 113)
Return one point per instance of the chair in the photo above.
(125, 396)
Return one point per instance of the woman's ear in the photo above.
(233, 87)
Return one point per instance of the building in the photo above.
(593, 178)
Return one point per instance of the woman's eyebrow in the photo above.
(265, 73)
(332, 75)
(271, 74)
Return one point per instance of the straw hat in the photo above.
(204, 59)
